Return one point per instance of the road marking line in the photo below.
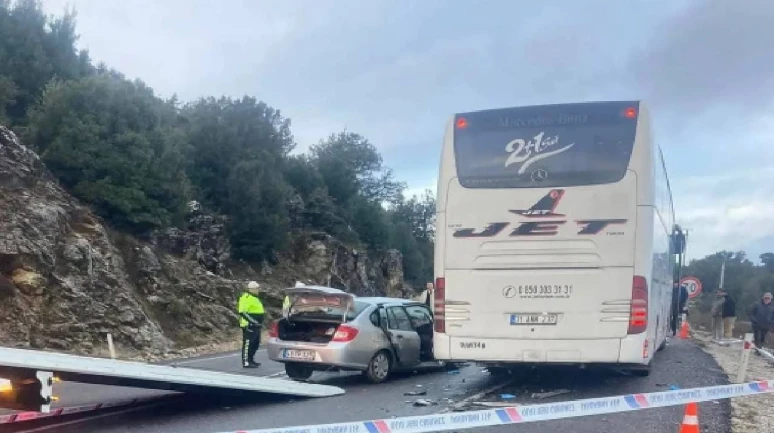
(211, 358)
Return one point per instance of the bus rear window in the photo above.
(545, 146)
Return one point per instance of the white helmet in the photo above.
(252, 285)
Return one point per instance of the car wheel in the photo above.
(298, 371)
(379, 367)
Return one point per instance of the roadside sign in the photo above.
(692, 285)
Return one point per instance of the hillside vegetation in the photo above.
(137, 159)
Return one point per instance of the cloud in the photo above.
(396, 72)
(713, 56)
(730, 211)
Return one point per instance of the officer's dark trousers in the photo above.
(760, 335)
(251, 339)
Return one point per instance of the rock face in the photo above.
(66, 279)
(324, 260)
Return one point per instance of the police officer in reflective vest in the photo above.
(251, 316)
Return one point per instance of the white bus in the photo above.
(553, 238)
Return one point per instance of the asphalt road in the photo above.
(682, 364)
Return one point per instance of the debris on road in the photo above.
(454, 372)
(549, 394)
(507, 396)
(424, 402)
(416, 393)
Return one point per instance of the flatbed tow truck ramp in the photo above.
(33, 372)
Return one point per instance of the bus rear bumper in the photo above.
(627, 350)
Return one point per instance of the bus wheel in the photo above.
(641, 372)
(498, 371)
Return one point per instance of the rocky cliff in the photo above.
(66, 279)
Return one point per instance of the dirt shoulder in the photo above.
(752, 414)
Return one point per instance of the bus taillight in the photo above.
(630, 112)
(638, 320)
(439, 305)
(462, 123)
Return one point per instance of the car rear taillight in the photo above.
(344, 334)
(439, 305)
(638, 318)
(274, 330)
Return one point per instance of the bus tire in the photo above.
(641, 372)
(498, 371)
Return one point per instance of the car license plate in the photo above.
(304, 355)
(534, 319)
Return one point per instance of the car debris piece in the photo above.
(418, 392)
(507, 396)
(424, 402)
(549, 394)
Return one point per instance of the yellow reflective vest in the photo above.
(250, 310)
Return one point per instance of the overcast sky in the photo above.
(395, 71)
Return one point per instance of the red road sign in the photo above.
(693, 285)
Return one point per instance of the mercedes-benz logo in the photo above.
(539, 175)
(509, 291)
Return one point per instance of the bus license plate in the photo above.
(534, 319)
(304, 355)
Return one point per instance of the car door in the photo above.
(404, 338)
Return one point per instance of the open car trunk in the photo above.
(311, 332)
(315, 314)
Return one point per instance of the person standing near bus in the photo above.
(729, 315)
(762, 318)
(717, 315)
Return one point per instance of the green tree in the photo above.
(33, 50)
(743, 279)
(370, 222)
(8, 93)
(413, 233)
(225, 132)
(768, 261)
(350, 165)
(113, 143)
(257, 203)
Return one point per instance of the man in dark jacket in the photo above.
(762, 318)
(679, 303)
(729, 315)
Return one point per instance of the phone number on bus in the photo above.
(542, 290)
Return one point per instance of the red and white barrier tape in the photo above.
(532, 413)
(72, 410)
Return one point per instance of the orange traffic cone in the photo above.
(691, 419)
(684, 330)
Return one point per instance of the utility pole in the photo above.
(722, 274)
